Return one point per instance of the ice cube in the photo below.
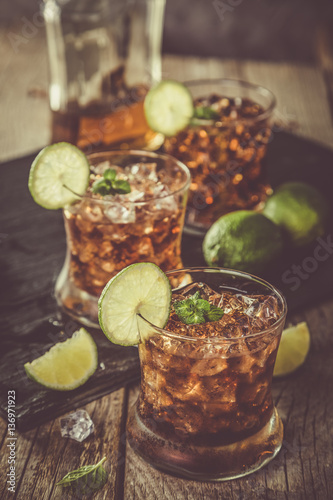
(77, 425)
(265, 307)
(136, 195)
(209, 367)
(145, 247)
(87, 251)
(101, 167)
(231, 302)
(121, 212)
(142, 171)
(92, 211)
(164, 199)
(204, 290)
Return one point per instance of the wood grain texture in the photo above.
(44, 457)
(25, 122)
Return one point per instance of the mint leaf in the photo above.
(85, 480)
(101, 186)
(110, 174)
(121, 186)
(205, 113)
(196, 310)
(109, 184)
(214, 314)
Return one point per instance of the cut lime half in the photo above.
(139, 289)
(168, 107)
(67, 365)
(293, 349)
(58, 174)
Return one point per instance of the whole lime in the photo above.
(243, 240)
(300, 210)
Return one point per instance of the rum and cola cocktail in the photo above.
(107, 233)
(224, 146)
(205, 409)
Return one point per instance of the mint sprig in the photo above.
(205, 113)
(109, 184)
(196, 310)
(85, 480)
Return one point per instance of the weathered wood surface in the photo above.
(303, 469)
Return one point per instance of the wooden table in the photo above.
(303, 469)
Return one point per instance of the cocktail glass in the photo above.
(205, 408)
(105, 235)
(225, 152)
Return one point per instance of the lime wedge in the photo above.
(67, 365)
(168, 107)
(138, 289)
(293, 349)
(58, 174)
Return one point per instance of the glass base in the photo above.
(77, 303)
(211, 463)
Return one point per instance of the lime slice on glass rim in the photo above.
(58, 174)
(139, 289)
(67, 365)
(293, 349)
(168, 107)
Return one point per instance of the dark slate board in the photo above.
(32, 250)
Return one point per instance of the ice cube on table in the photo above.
(77, 425)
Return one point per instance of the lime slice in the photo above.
(67, 365)
(293, 349)
(58, 174)
(138, 289)
(168, 107)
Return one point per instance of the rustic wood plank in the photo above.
(24, 445)
(301, 95)
(25, 115)
(44, 457)
(324, 50)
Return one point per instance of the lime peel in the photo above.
(168, 107)
(59, 175)
(67, 365)
(293, 349)
(139, 289)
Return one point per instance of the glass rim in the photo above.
(222, 340)
(151, 154)
(233, 82)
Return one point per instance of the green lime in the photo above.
(138, 289)
(67, 365)
(168, 107)
(58, 174)
(243, 240)
(300, 210)
(293, 349)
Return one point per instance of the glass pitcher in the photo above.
(103, 57)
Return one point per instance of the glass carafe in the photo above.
(103, 57)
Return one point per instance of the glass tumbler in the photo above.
(103, 57)
(106, 235)
(205, 408)
(224, 151)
